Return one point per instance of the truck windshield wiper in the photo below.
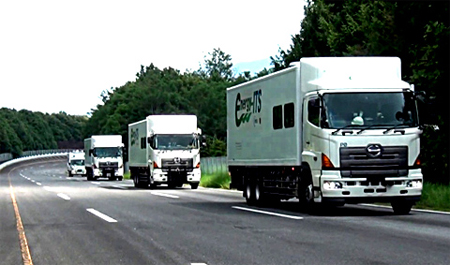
(395, 127)
(345, 127)
(371, 126)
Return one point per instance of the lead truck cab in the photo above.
(329, 130)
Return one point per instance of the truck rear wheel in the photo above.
(254, 194)
(89, 174)
(194, 186)
(402, 207)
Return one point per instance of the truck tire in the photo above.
(254, 194)
(120, 178)
(305, 191)
(136, 181)
(401, 207)
(89, 174)
(194, 186)
(248, 193)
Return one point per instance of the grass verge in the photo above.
(216, 180)
(435, 197)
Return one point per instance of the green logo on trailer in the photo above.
(244, 108)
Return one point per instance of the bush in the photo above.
(216, 180)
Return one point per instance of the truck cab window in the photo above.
(313, 111)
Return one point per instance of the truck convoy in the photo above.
(75, 163)
(165, 149)
(103, 157)
(329, 130)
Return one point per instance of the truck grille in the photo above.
(177, 164)
(108, 164)
(356, 162)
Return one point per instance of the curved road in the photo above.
(49, 218)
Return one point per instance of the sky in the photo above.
(60, 55)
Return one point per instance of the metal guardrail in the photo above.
(210, 165)
(31, 157)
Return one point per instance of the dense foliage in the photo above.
(415, 31)
(168, 91)
(25, 130)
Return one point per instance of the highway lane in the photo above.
(74, 221)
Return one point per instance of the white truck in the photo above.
(75, 163)
(329, 130)
(165, 149)
(103, 157)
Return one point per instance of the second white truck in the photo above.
(103, 157)
(165, 149)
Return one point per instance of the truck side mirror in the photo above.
(203, 139)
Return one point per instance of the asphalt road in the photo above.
(49, 218)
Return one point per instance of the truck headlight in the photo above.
(332, 185)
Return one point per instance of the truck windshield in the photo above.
(369, 110)
(175, 142)
(77, 162)
(107, 152)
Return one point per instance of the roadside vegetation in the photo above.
(435, 197)
(216, 180)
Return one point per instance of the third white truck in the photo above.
(330, 130)
(165, 149)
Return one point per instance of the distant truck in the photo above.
(331, 130)
(75, 163)
(103, 157)
(165, 149)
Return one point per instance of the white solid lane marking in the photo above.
(96, 183)
(47, 188)
(199, 264)
(164, 195)
(268, 213)
(101, 215)
(118, 186)
(63, 196)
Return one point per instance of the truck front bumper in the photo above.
(193, 176)
(78, 171)
(100, 172)
(333, 188)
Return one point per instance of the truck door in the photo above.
(312, 136)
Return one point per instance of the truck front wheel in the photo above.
(402, 207)
(305, 192)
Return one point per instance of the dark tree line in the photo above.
(25, 131)
(416, 31)
(168, 91)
